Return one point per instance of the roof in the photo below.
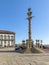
(6, 32)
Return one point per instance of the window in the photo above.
(8, 37)
(12, 37)
(1, 37)
(12, 43)
(5, 37)
(5, 43)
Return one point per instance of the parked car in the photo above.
(45, 47)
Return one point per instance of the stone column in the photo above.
(27, 43)
(23, 42)
(29, 27)
(41, 44)
(37, 43)
(32, 43)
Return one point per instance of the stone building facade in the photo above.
(7, 38)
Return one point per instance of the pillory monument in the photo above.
(29, 43)
(29, 46)
(29, 28)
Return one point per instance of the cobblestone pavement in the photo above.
(13, 58)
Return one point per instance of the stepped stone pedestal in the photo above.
(29, 46)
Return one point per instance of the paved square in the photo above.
(13, 58)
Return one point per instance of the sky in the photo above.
(13, 17)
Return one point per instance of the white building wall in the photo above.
(3, 44)
(0, 42)
(10, 42)
(6, 43)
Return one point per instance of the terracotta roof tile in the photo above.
(6, 32)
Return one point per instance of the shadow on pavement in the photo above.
(7, 51)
